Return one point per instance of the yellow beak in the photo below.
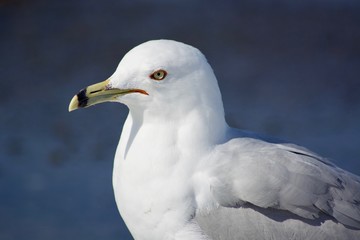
(98, 93)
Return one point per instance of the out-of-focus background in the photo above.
(286, 68)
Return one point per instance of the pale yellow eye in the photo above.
(158, 75)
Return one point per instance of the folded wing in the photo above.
(286, 177)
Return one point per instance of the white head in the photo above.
(175, 76)
(163, 78)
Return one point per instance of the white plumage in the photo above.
(181, 172)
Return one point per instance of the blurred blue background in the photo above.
(286, 68)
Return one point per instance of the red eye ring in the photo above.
(158, 75)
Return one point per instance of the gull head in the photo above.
(161, 76)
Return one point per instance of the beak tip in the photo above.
(74, 104)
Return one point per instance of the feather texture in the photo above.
(250, 173)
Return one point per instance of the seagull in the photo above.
(181, 172)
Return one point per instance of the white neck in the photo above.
(152, 156)
(158, 149)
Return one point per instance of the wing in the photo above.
(251, 222)
(283, 176)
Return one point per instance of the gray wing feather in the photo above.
(286, 177)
